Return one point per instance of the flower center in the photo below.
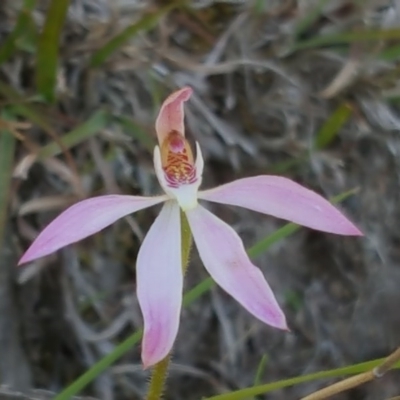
(177, 160)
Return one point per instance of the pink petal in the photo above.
(225, 258)
(84, 219)
(171, 115)
(283, 198)
(159, 284)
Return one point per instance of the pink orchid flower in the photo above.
(159, 264)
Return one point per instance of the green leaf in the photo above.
(392, 53)
(133, 129)
(21, 107)
(324, 137)
(98, 121)
(31, 114)
(201, 288)
(27, 41)
(260, 369)
(99, 367)
(347, 37)
(259, 6)
(7, 148)
(48, 49)
(24, 17)
(284, 166)
(146, 23)
(332, 125)
(188, 298)
(311, 16)
(264, 244)
(269, 387)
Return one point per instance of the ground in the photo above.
(277, 90)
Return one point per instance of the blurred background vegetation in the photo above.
(303, 88)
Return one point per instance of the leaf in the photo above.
(7, 148)
(146, 23)
(284, 166)
(269, 387)
(260, 369)
(347, 37)
(23, 20)
(133, 129)
(98, 121)
(27, 41)
(20, 106)
(99, 367)
(48, 49)
(309, 18)
(332, 125)
(392, 53)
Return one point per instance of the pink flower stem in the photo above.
(160, 370)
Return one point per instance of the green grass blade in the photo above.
(99, 367)
(147, 23)
(27, 41)
(347, 37)
(134, 130)
(203, 287)
(21, 107)
(284, 166)
(324, 137)
(269, 387)
(267, 242)
(48, 49)
(260, 369)
(98, 121)
(392, 53)
(32, 115)
(121, 349)
(200, 289)
(7, 148)
(258, 7)
(11, 94)
(332, 125)
(9, 45)
(310, 17)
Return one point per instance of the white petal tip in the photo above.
(29, 256)
(186, 92)
(146, 364)
(283, 326)
(347, 229)
(276, 319)
(149, 360)
(355, 232)
(23, 260)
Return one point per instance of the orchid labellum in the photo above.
(159, 264)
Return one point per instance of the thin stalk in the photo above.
(158, 379)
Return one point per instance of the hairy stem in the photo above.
(158, 378)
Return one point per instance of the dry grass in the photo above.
(257, 106)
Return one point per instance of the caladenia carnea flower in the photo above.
(159, 263)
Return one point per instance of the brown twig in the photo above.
(341, 386)
(357, 380)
